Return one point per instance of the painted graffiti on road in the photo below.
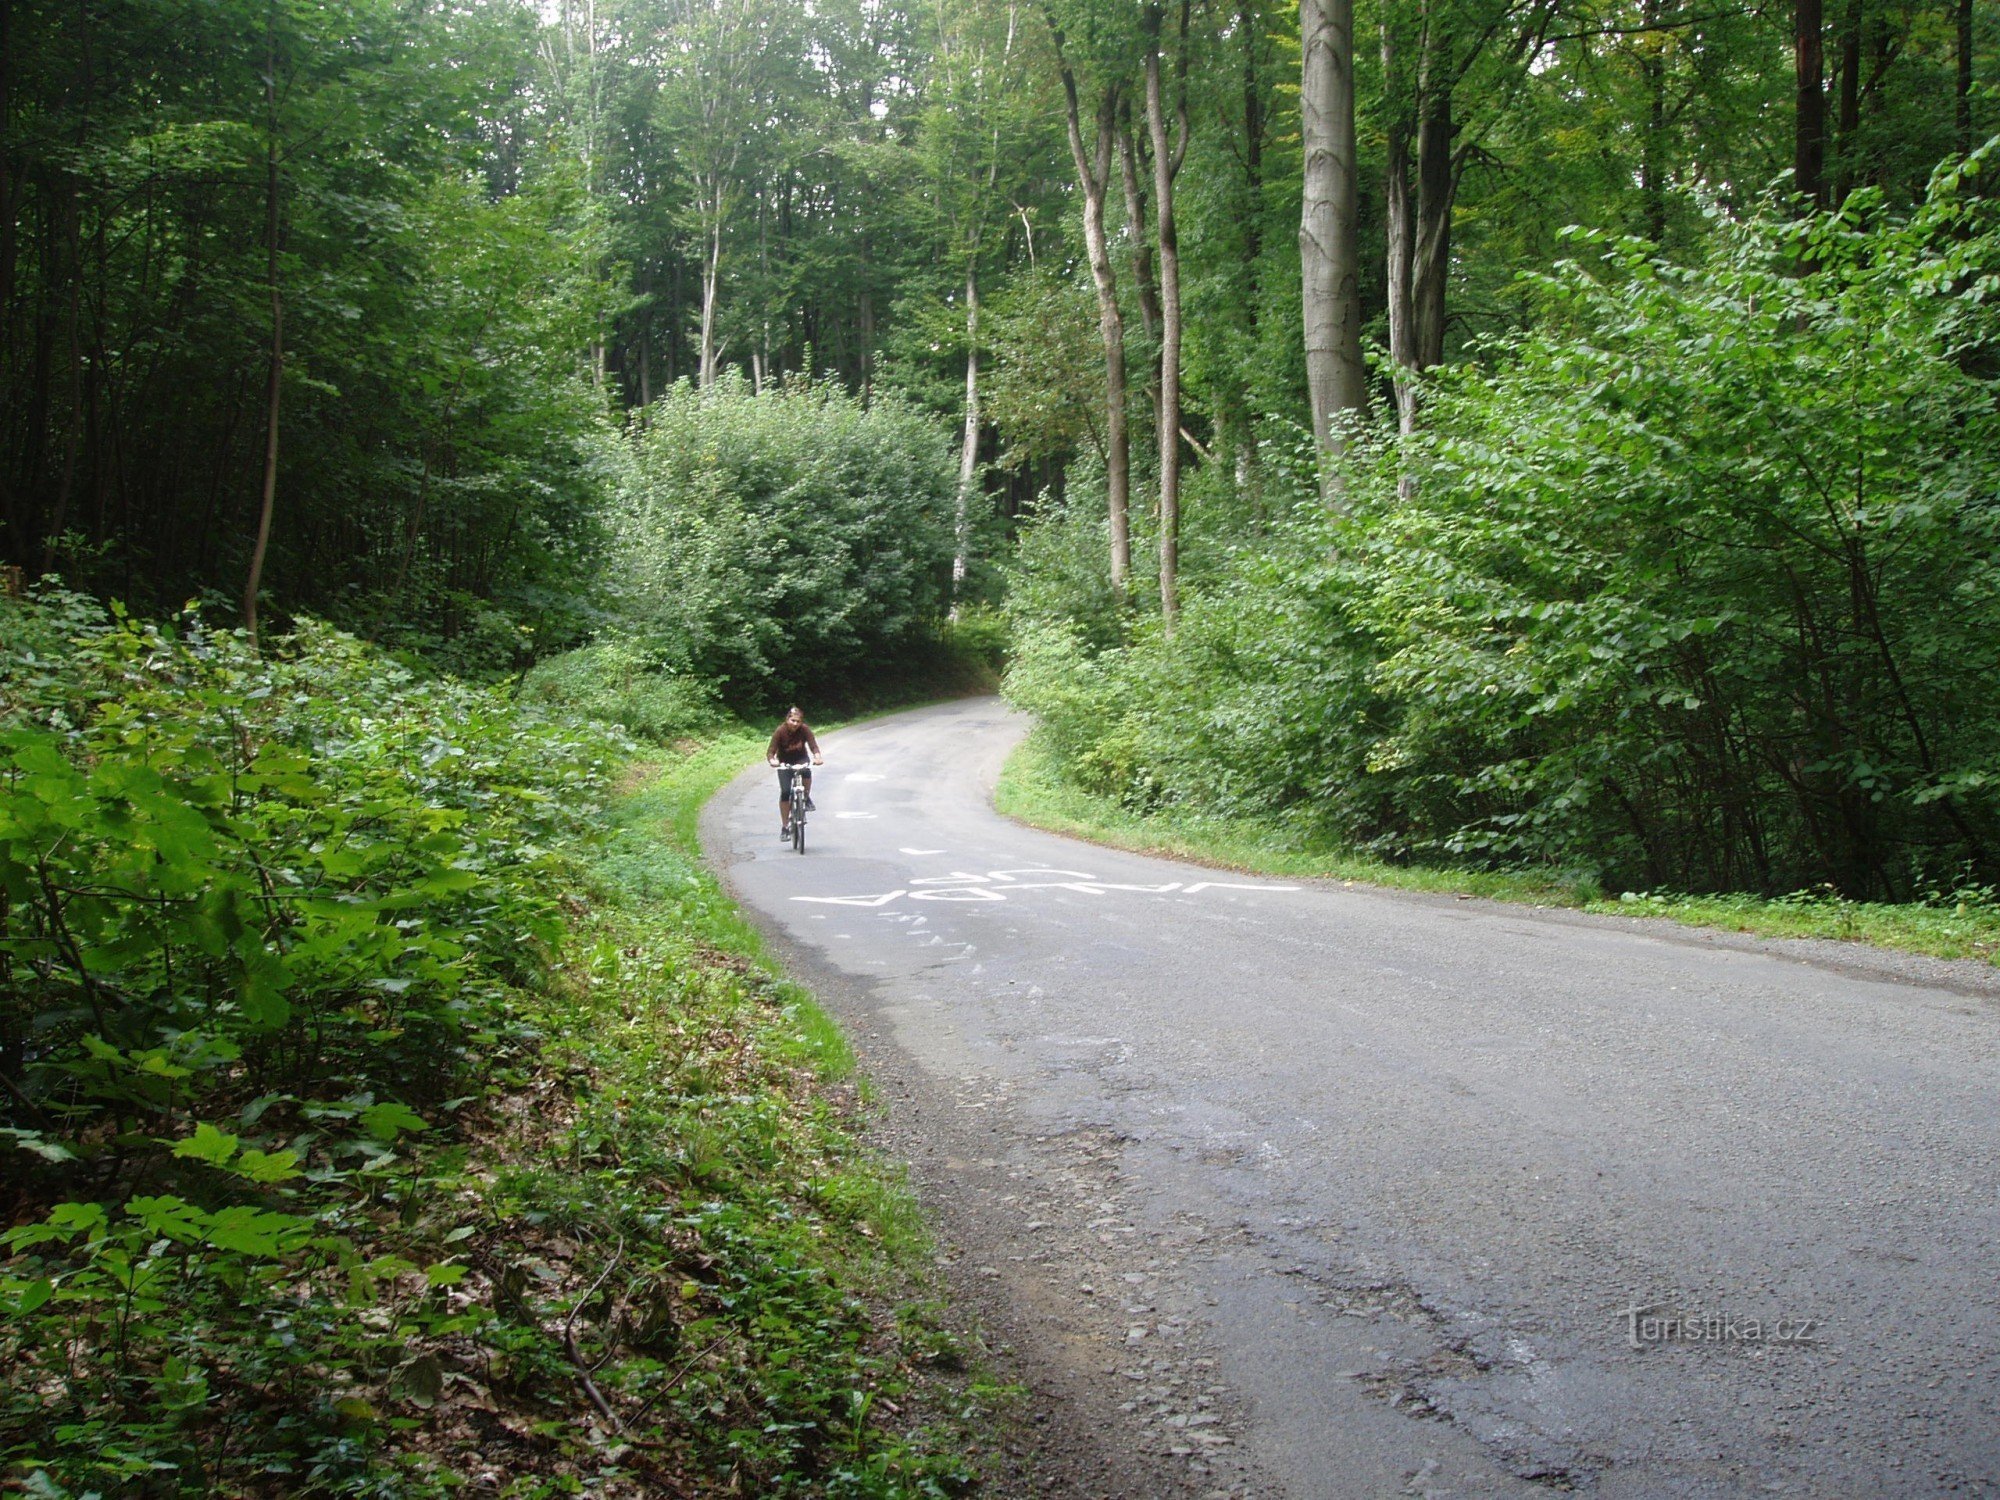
(999, 885)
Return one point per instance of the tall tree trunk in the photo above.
(711, 276)
(1963, 92)
(646, 358)
(1135, 227)
(864, 324)
(1809, 116)
(1437, 194)
(1401, 234)
(1652, 155)
(1167, 156)
(1093, 174)
(1240, 426)
(968, 453)
(1328, 240)
(1847, 113)
(66, 486)
(274, 384)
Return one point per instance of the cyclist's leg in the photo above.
(806, 788)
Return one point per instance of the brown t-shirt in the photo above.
(791, 743)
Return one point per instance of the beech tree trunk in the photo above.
(1093, 174)
(1328, 242)
(1167, 156)
(968, 453)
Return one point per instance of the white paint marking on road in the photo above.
(854, 815)
(963, 885)
(920, 851)
(1232, 885)
(852, 900)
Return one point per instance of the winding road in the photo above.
(1290, 1188)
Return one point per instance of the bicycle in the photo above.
(795, 793)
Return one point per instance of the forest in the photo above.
(1546, 435)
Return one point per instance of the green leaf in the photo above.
(207, 1144)
(388, 1120)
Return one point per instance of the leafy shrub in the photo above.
(1697, 587)
(620, 681)
(375, 1122)
(787, 538)
(263, 922)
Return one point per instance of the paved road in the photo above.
(1324, 1191)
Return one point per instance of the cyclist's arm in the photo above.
(813, 745)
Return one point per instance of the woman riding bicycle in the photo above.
(790, 746)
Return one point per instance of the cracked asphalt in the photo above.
(1288, 1188)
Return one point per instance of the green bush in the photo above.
(262, 922)
(791, 538)
(1696, 587)
(621, 681)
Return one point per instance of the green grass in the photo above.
(1033, 790)
(713, 1141)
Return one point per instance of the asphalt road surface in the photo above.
(1287, 1188)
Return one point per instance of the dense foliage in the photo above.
(1698, 587)
(798, 538)
(308, 246)
(364, 1136)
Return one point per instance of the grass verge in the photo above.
(1033, 789)
(749, 1290)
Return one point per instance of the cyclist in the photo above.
(789, 747)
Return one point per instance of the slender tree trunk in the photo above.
(274, 385)
(66, 486)
(1167, 155)
(1400, 235)
(1809, 117)
(864, 321)
(1328, 241)
(1847, 114)
(1093, 173)
(1963, 92)
(968, 453)
(646, 359)
(1437, 193)
(1135, 227)
(1653, 154)
(711, 276)
(1241, 425)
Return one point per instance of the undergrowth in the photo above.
(1960, 921)
(394, 1107)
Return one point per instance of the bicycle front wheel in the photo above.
(798, 830)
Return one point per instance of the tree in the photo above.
(1169, 150)
(1093, 175)
(1329, 247)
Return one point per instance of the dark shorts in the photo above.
(784, 778)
